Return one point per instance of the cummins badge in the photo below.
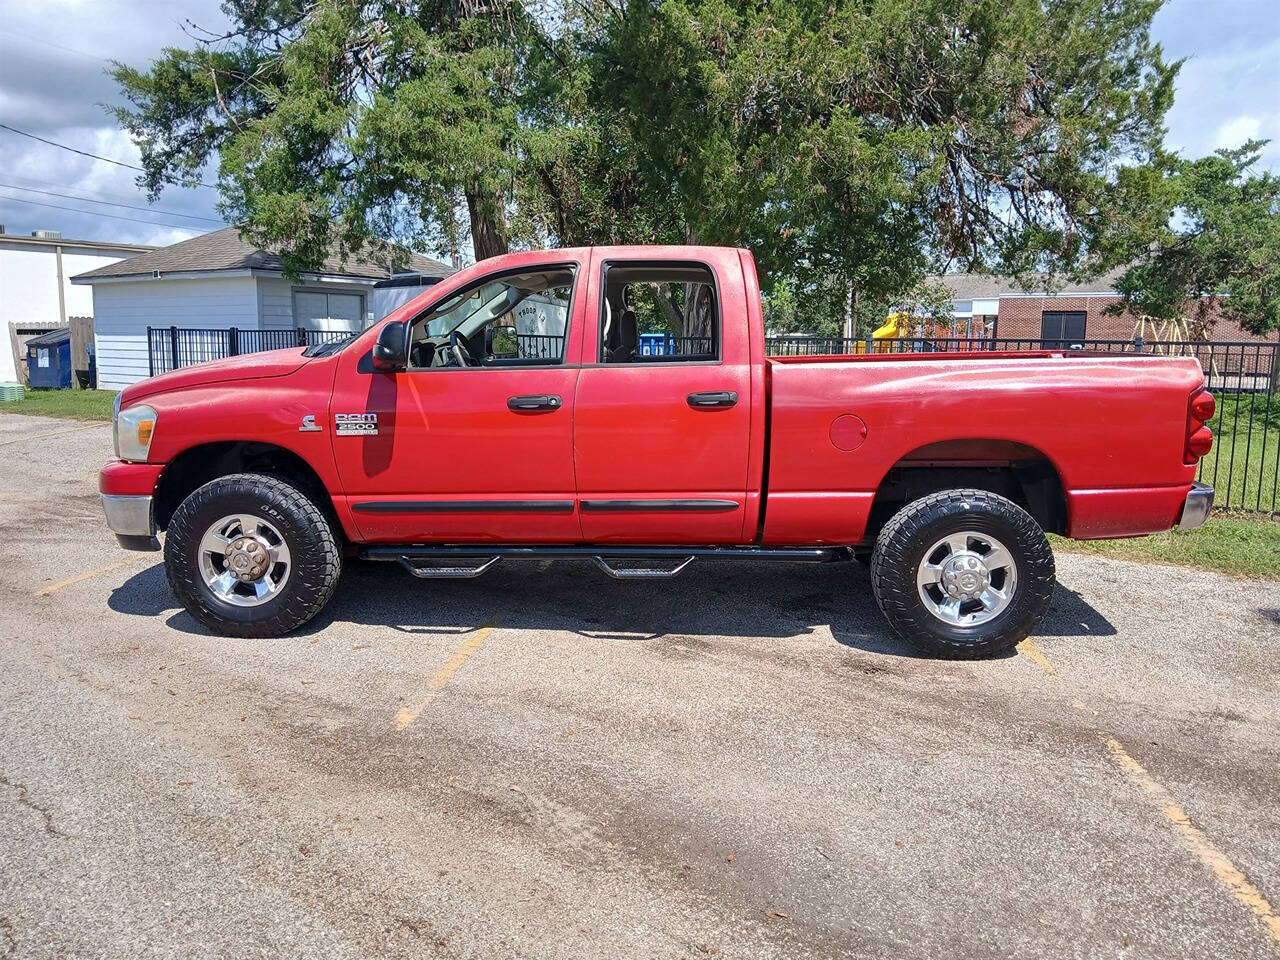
(355, 424)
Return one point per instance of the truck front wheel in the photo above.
(962, 573)
(249, 555)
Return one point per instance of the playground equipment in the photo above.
(1173, 338)
(895, 326)
(901, 325)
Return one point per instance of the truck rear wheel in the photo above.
(249, 555)
(962, 573)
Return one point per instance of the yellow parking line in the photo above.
(1033, 653)
(410, 712)
(1227, 873)
(80, 577)
(1231, 877)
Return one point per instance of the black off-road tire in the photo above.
(316, 557)
(900, 550)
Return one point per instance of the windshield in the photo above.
(470, 311)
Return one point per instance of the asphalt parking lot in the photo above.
(548, 763)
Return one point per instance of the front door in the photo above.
(473, 441)
(663, 409)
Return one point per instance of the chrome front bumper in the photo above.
(132, 521)
(1196, 509)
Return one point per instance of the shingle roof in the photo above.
(224, 250)
(981, 286)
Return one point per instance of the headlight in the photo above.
(115, 422)
(134, 428)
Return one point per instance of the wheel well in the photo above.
(1013, 470)
(194, 468)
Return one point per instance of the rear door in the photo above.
(663, 405)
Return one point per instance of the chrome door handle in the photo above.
(538, 401)
(713, 398)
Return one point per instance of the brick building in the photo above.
(988, 306)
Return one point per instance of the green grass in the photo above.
(1234, 543)
(71, 404)
(1246, 449)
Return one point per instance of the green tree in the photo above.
(1206, 238)
(853, 145)
(348, 122)
(869, 140)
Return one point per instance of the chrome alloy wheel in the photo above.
(967, 578)
(244, 560)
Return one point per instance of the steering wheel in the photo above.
(461, 353)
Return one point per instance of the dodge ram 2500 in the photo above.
(531, 406)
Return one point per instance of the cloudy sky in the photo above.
(53, 54)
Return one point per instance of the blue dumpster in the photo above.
(49, 360)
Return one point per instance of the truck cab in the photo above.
(578, 433)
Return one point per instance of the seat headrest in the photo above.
(628, 338)
(627, 329)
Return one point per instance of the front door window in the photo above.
(513, 321)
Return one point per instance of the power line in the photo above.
(95, 213)
(55, 46)
(94, 156)
(112, 203)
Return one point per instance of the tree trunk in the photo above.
(488, 224)
(691, 326)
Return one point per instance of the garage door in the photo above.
(337, 312)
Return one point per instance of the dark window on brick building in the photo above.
(1061, 328)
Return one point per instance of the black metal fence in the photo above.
(169, 348)
(663, 345)
(1228, 365)
(1243, 466)
(539, 346)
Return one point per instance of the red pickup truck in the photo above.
(524, 408)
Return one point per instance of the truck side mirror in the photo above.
(390, 352)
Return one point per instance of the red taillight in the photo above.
(1200, 410)
(1200, 442)
(1203, 406)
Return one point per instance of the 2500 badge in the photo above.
(355, 424)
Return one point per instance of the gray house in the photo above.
(217, 281)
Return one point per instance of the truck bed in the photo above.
(1111, 426)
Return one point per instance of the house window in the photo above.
(1061, 328)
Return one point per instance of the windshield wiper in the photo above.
(328, 347)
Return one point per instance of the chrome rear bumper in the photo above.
(1196, 509)
(131, 520)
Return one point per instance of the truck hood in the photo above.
(251, 366)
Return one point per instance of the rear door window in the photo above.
(665, 313)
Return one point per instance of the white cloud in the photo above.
(53, 83)
(1228, 89)
(1235, 132)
